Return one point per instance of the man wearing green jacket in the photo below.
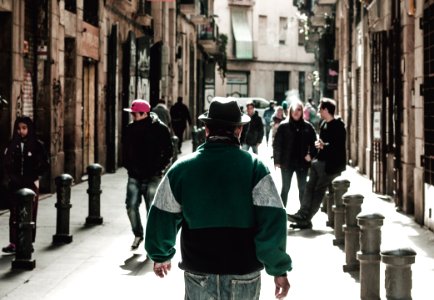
(232, 218)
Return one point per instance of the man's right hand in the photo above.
(282, 286)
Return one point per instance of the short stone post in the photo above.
(194, 138)
(175, 141)
(340, 187)
(330, 201)
(23, 256)
(369, 255)
(63, 205)
(353, 206)
(94, 178)
(398, 279)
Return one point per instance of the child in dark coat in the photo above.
(25, 160)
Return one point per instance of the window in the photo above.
(262, 30)
(71, 5)
(237, 84)
(301, 83)
(243, 41)
(281, 85)
(301, 33)
(283, 29)
(90, 12)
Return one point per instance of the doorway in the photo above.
(88, 112)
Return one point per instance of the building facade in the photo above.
(266, 56)
(384, 56)
(73, 65)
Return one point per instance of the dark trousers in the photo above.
(286, 182)
(315, 190)
(179, 132)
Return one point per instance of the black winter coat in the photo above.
(24, 166)
(333, 134)
(253, 132)
(147, 148)
(292, 142)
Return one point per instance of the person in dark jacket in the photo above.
(253, 133)
(25, 160)
(329, 163)
(293, 149)
(180, 117)
(147, 150)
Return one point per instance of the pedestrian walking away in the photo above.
(293, 149)
(180, 117)
(162, 112)
(232, 218)
(25, 160)
(253, 132)
(329, 163)
(147, 150)
(268, 117)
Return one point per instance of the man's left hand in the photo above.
(161, 269)
(282, 286)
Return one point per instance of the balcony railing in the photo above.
(190, 7)
(208, 35)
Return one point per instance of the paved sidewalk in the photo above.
(98, 263)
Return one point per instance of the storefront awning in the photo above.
(242, 34)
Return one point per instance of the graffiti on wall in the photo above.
(56, 137)
(24, 103)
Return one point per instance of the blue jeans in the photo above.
(222, 287)
(136, 189)
(286, 182)
(315, 190)
(247, 147)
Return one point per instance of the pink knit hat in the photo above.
(139, 105)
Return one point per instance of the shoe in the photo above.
(136, 242)
(10, 249)
(297, 217)
(301, 225)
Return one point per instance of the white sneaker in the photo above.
(136, 242)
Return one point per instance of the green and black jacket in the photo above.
(231, 215)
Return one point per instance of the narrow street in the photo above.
(98, 264)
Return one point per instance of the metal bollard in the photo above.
(398, 279)
(23, 256)
(63, 205)
(369, 255)
(353, 206)
(94, 172)
(340, 187)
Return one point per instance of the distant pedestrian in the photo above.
(310, 113)
(162, 112)
(268, 117)
(253, 133)
(293, 149)
(230, 214)
(329, 163)
(25, 160)
(278, 117)
(180, 117)
(147, 150)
